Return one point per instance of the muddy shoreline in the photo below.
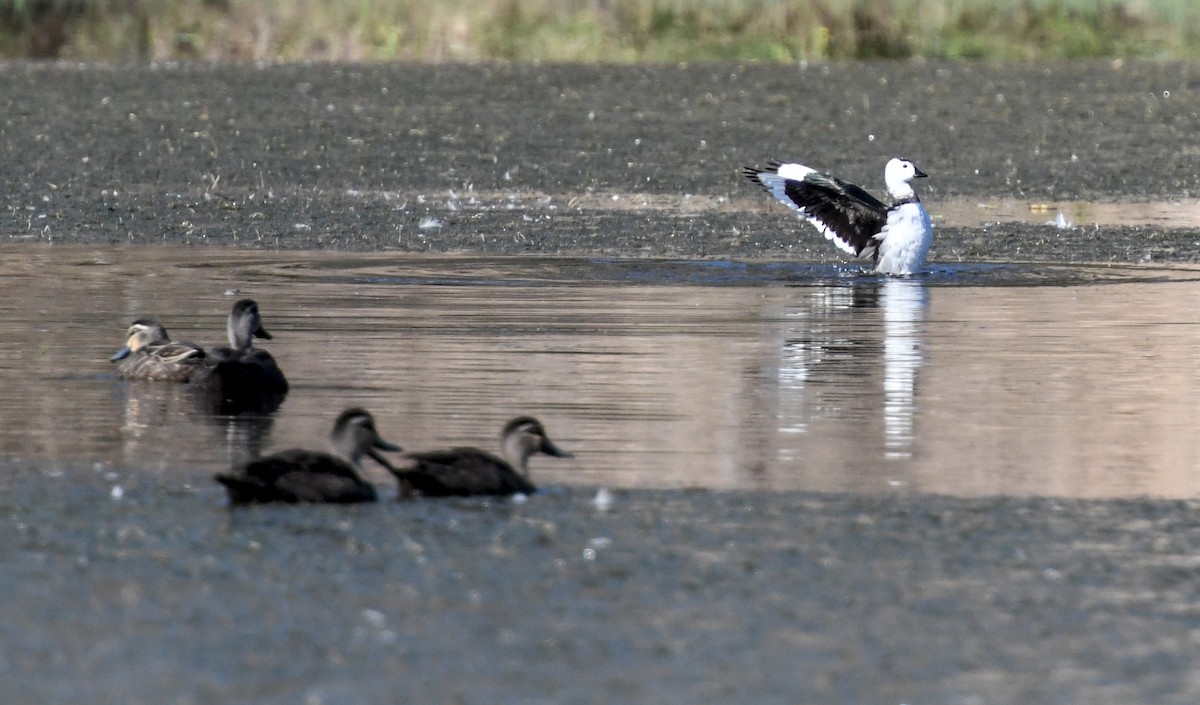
(670, 596)
(159, 594)
(556, 159)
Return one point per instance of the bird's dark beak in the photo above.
(261, 332)
(379, 445)
(550, 449)
(382, 460)
(918, 174)
(121, 354)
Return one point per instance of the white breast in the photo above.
(906, 239)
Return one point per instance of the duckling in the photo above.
(298, 475)
(149, 353)
(470, 471)
(246, 378)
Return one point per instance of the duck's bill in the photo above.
(121, 354)
(261, 332)
(918, 174)
(550, 449)
(384, 445)
(378, 457)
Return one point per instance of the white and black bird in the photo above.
(896, 237)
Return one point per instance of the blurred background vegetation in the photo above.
(595, 30)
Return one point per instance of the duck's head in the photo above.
(525, 436)
(142, 332)
(245, 324)
(354, 436)
(898, 175)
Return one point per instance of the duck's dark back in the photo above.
(298, 476)
(463, 472)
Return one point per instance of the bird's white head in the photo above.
(897, 175)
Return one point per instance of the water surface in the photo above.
(970, 380)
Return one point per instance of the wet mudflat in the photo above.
(632, 161)
(128, 580)
(670, 596)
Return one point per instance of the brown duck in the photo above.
(149, 353)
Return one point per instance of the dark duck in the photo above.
(299, 475)
(243, 378)
(464, 472)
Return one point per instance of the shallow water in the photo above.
(970, 380)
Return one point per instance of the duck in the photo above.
(895, 237)
(245, 379)
(462, 472)
(306, 476)
(150, 354)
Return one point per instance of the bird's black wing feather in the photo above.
(839, 209)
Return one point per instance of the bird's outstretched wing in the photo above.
(841, 211)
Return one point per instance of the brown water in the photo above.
(1021, 379)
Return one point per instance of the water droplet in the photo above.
(374, 617)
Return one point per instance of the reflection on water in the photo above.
(842, 339)
(904, 307)
(1068, 381)
(847, 375)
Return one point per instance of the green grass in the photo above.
(596, 30)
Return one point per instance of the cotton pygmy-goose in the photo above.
(149, 353)
(308, 476)
(469, 471)
(896, 237)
